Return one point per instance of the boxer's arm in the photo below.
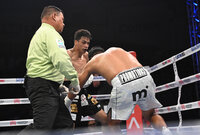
(89, 81)
(83, 77)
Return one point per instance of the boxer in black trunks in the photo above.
(87, 106)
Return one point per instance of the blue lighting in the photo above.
(193, 10)
(195, 4)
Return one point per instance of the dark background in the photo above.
(155, 29)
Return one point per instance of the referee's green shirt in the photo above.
(47, 57)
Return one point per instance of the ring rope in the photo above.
(154, 68)
(14, 101)
(171, 85)
(9, 123)
(175, 58)
(26, 100)
(177, 79)
(184, 81)
(21, 80)
(163, 110)
(183, 107)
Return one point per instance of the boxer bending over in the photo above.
(132, 84)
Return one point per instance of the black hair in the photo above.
(95, 50)
(82, 33)
(48, 10)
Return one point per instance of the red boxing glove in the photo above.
(133, 53)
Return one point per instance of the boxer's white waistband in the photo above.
(130, 75)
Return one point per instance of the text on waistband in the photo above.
(130, 75)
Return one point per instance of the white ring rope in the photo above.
(163, 110)
(11, 80)
(14, 101)
(184, 81)
(175, 58)
(21, 80)
(177, 79)
(161, 88)
(9, 123)
(177, 83)
(26, 100)
(183, 107)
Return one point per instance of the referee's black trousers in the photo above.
(49, 111)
